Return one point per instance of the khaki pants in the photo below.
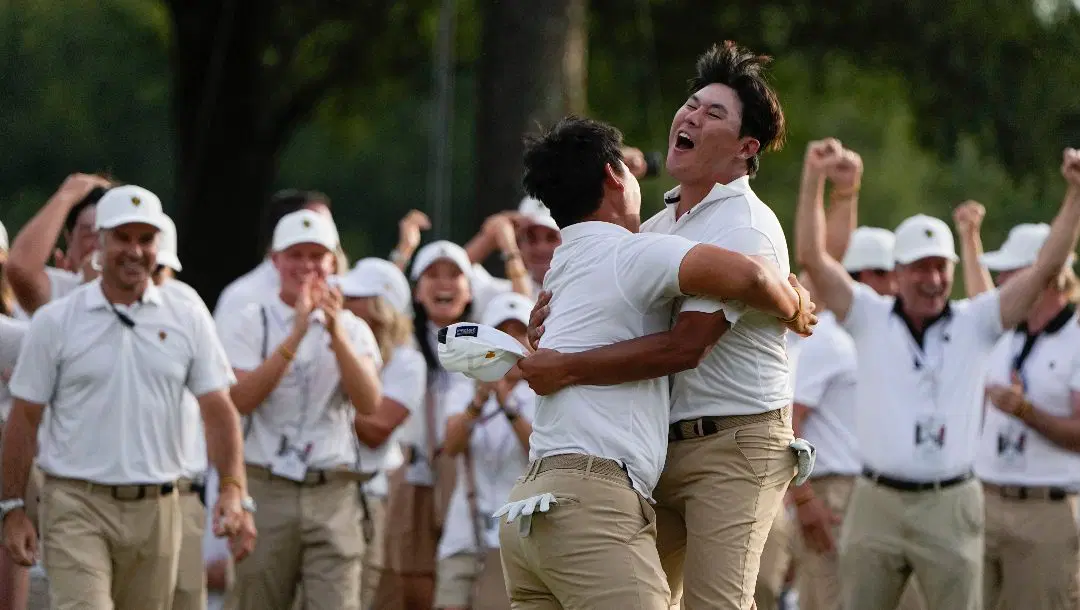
(308, 535)
(594, 550)
(776, 559)
(1032, 554)
(715, 504)
(818, 576)
(461, 583)
(938, 535)
(101, 552)
(191, 576)
(374, 524)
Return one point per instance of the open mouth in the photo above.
(443, 299)
(683, 141)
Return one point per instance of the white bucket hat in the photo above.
(479, 351)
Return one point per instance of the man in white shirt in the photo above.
(111, 361)
(70, 211)
(264, 279)
(1027, 457)
(304, 368)
(729, 462)
(599, 450)
(922, 360)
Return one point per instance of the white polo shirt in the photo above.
(747, 371)
(920, 406)
(249, 288)
(61, 284)
(113, 394)
(193, 436)
(486, 287)
(403, 380)
(1010, 453)
(825, 382)
(499, 460)
(12, 332)
(309, 407)
(609, 285)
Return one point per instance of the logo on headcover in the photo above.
(135, 201)
(489, 355)
(466, 331)
(306, 223)
(929, 233)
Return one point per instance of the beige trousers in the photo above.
(191, 577)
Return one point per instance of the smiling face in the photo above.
(924, 285)
(704, 144)
(443, 291)
(130, 255)
(301, 263)
(537, 243)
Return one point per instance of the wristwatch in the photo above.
(248, 504)
(6, 506)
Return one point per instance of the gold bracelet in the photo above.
(1023, 410)
(227, 481)
(286, 353)
(848, 192)
(798, 311)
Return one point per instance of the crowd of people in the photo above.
(693, 425)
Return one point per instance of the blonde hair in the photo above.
(7, 297)
(1068, 283)
(391, 328)
(341, 261)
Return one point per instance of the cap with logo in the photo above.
(375, 277)
(304, 227)
(441, 250)
(505, 307)
(1021, 248)
(923, 236)
(479, 351)
(3, 237)
(537, 213)
(870, 248)
(167, 254)
(129, 204)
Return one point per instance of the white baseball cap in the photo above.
(3, 237)
(923, 236)
(1020, 249)
(870, 248)
(375, 277)
(536, 212)
(129, 204)
(507, 306)
(304, 227)
(167, 247)
(479, 351)
(438, 250)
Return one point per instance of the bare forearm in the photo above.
(750, 280)
(20, 441)
(520, 282)
(480, 247)
(358, 377)
(523, 430)
(977, 278)
(374, 430)
(252, 388)
(832, 284)
(840, 222)
(647, 357)
(458, 431)
(1062, 431)
(224, 440)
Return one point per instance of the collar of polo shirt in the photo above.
(95, 298)
(285, 314)
(1054, 325)
(898, 309)
(719, 192)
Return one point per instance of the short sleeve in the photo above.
(866, 307)
(12, 332)
(404, 379)
(210, 370)
(744, 240)
(242, 334)
(36, 369)
(363, 341)
(61, 282)
(816, 368)
(647, 267)
(1074, 377)
(985, 309)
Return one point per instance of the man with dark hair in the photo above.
(728, 462)
(70, 212)
(264, 278)
(597, 450)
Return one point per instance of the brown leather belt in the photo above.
(705, 426)
(127, 493)
(578, 462)
(1018, 492)
(312, 478)
(906, 485)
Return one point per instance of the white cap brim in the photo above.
(920, 253)
(170, 260)
(999, 260)
(480, 352)
(131, 219)
(543, 220)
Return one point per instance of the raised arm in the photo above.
(1020, 293)
(833, 284)
(968, 218)
(845, 178)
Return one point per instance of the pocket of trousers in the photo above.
(764, 451)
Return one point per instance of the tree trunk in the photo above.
(225, 166)
(531, 73)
